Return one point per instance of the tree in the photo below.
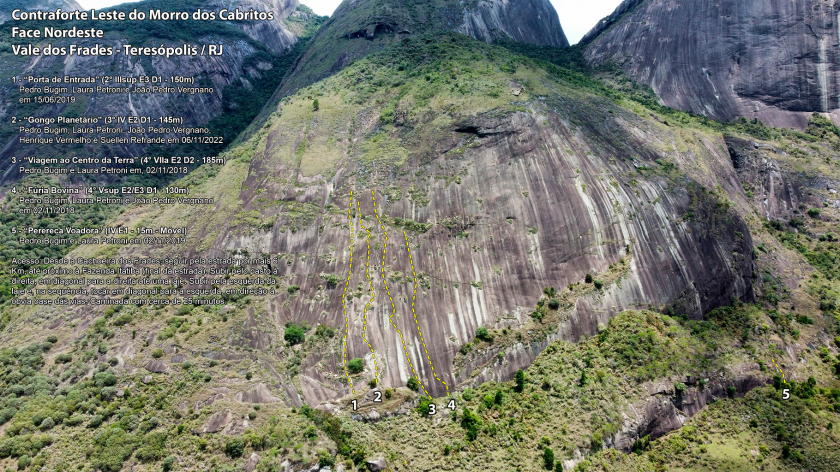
(234, 447)
(548, 458)
(499, 397)
(520, 380)
(294, 334)
(589, 278)
(356, 365)
(315, 105)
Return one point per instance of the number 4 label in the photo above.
(451, 405)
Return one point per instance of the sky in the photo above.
(576, 16)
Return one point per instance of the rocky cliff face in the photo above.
(248, 64)
(774, 60)
(360, 27)
(501, 192)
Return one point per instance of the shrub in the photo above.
(488, 401)
(123, 320)
(424, 407)
(499, 397)
(388, 393)
(157, 353)
(105, 379)
(598, 285)
(413, 384)
(74, 420)
(588, 279)
(52, 339)
(6, 414)
(252, 415)
(356, 365)
(548, 458)
(731, 390)
(48, 423)
(520, 380)
(325, 460)
(679, 388)
(147, 454)
(372, 383)
(24, 462)
(96, 421)
(315, 105)
(168, 463)
(324, 331)
(63, 358)
(554, 303)
(471, 423)
(294, 334)
(483, 334)
(814, 213)
(234, 447)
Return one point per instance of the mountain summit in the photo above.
(359, 27)
(773, 60)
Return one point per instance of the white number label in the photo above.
(377, 396)
(785, 394)
(355, 405)
(451, 405)
(432, 409)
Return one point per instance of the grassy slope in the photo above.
(93, 425)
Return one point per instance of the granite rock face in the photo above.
(775, 60)
(360, 27)
(513, 202)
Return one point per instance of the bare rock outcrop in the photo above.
(667, 410)
(257, 393)
(217, 421)
(157, 366)
(776, 60)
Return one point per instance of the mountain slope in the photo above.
(506, 181)
(772, 60)
(501, 182)
(360, 27)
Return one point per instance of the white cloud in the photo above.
(576, 16)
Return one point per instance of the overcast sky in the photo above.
(576, 16)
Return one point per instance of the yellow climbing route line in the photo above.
(373, 294)
(344, 296)
(413, 297)
(780, 370)
(388, 291)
